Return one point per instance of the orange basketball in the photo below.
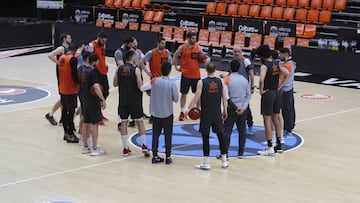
(194, 113)
(92, 90)
(202, 57)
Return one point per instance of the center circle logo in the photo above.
(187, 141)
(11, 91)
(11, 94)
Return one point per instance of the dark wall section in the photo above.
(87, 33)
(327, 62)
(25, 35)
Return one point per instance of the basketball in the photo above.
(194, 113)
(202, 57)
(92, 90)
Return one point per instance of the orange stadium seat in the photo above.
(248, 1)
(281, 2)
(301, 15)
(266, 12)
(255, 41)
(136, 4)
(340, 5)
(126, 3)
(120, 25)
(243, 10)
(277, 13)
(254, 11)
(214, 38)
(109, 3)
(288, 42)
(155, 28)
(118, 3)
(166, 8)
(304, 3)
(149, 16)
(328, 4)
(221, 8)
(133, 26)
(269, 2)
(292, 3)
(211, 8)
(157, 7)
(158, 17)
(302, 42)
(258, 2)
(237, 1)
(108, 24)
(99, 23)
(232, 9)
(299, 29)
(309, 31)
(145, 27)
(192, 29)
(325, 16)
(144, 2)
(167, 32)
(178, 35)
(239, 39)
(316, 4)
(313, 15)
(289, 13)
(226, 37)
(204, 36)
(270, 40)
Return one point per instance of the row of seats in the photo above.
(270, 12)
(338, 5)
(134, 4)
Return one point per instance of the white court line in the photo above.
(328, 115)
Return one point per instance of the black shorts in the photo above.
(271, 102)
(134, 110)
(68, 102)
(92, 112)
(186, 83)
(214, 122)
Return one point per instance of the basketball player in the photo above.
(271, 97)
(54, 56)
(288, 110)
(128, 79)
(189, 68)
(98, 47)
(163, 93)
(68, 88)
(239, 99)
(94, 101)
(211, 92)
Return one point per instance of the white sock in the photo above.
(143, 139)
(124, 139)
(51, 113)
(182, 110)
(206, 160)
(282, 133)
(223, 157)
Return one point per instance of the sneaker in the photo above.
(86, 150)
(157, 159)
(71, 138)
(126, 152)
(168, 160)
(224, 164)
(278, 149)
(288, 134)
(203, 166)
(267, 152)
(182, 116)
(97, 152)
(145, 150)
(132, 124)
(250, 130)
(104, 119)
(51, 119)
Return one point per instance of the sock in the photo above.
(124, 139)
(282, 133)
(269, 142)
(51, 113)
(206, 160)
(183, 110)
(119, 119)
(223, 157)
(143, 139)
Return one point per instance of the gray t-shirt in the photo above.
(119, 55)
(244, 68)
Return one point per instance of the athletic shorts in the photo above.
(68, 102)
(135, 111)
(92, 112)
(271, 102)
(214, 122)
(186, 83)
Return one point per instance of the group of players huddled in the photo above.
(224, 100)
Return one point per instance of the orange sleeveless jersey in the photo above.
(156, 61)
(189, 62)
(100, 52)
(288, 66)
(67, 85)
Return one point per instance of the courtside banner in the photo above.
(280, 29)
(185, 21)
(130, 16)
(82, 14)
(106, 15)
(218, 23)
(248, 26)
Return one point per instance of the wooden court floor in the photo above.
(37, 165)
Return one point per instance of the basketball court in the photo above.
(320, 164)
